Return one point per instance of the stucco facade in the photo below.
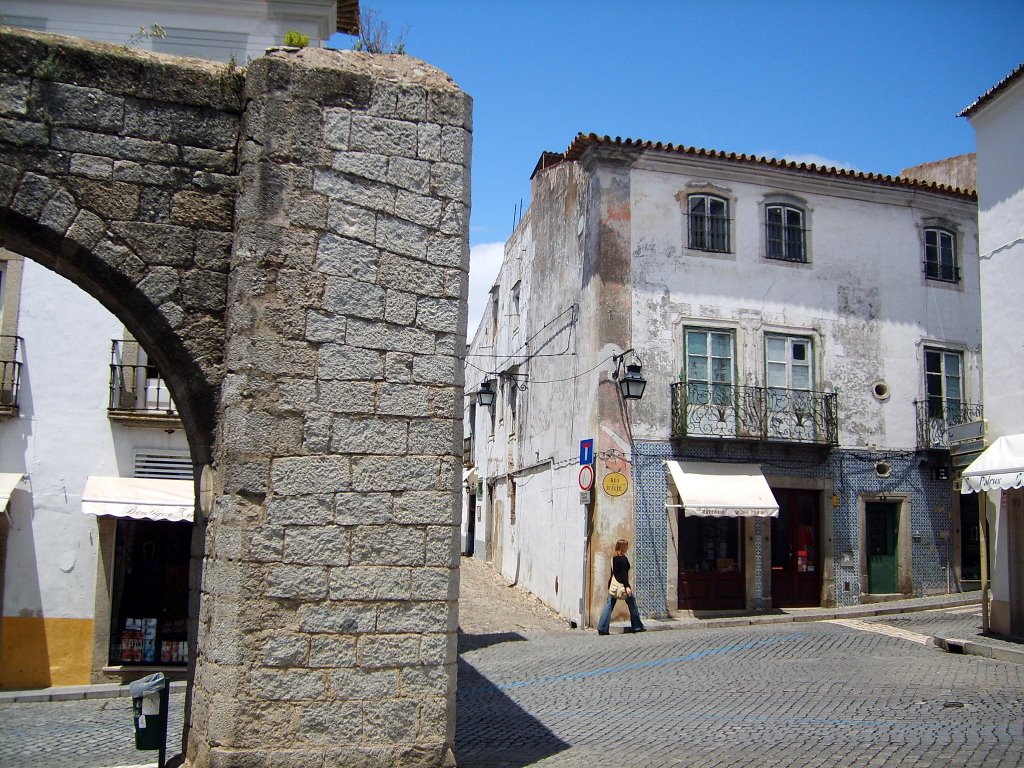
(998, 122)
(58, 563)
(606, 260)
(223, 30)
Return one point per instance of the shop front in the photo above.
(150, 522)
(712, 512)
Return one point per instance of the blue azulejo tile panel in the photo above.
(854, 473)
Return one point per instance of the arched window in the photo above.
(940, 262)
(708, 222)
(786, 236)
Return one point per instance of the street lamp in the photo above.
(485, 395)
(632, 383)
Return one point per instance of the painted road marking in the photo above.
(649, 664)
(883, 629)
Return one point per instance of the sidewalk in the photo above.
(513, 609)
(956, 634)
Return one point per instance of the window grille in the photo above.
(786, 235)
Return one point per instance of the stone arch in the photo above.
(195, 395)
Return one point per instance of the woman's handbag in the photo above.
(616, 589)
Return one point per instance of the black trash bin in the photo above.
(149, 710)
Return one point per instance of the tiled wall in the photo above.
(852, 472)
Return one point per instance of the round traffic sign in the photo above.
(586, 477)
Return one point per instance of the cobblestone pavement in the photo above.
(808, 694)
(490, 609)
(532, 691)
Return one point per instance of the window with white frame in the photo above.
(708, 222)
(710, 366)
(785, 232)
(944, 384)
(789, 381)
(940, 259)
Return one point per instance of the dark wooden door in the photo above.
(796, 551)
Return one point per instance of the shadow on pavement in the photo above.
(492, 731)
(468, 642)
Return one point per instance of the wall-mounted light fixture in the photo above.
(485, 395)
(631, 383)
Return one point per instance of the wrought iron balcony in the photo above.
(136, 387)
(935, 417)
(468, 458)
(10, 374)
(754, 413)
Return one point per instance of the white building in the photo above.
(998, 121)
(222, 30)
(97, 467)
(807, 334)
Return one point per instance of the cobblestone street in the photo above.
(533, 691)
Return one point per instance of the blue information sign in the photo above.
(587, 451)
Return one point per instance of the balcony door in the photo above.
(710, 383)
(789, 380)
(944, 388)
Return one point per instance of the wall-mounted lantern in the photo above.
(631, 383)
(485, 395)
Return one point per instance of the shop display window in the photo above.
(149, 599)
(709, 544)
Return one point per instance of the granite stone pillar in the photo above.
(328, 612)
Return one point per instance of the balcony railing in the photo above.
(935, 417)
(10, 373)
(467, 452)
(754, 413)
(136, 387)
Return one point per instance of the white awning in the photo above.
(722, 490)
(139, 498)
(8, 482)
(999, 467)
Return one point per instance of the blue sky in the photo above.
(874, 86)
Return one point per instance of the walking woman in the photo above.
(619, 589)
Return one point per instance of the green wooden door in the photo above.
(882, 522)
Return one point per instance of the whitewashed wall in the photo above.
(999, 132)
(216, 30)
(60, 437)
(547, 543)
(863, 297)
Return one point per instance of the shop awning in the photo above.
(722, 490)
(139, 498)
(8, 482)
(999, 467)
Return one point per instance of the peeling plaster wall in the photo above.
(863, 297)
(547, 346)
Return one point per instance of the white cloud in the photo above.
(484, 265)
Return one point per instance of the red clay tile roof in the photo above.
(994, 91)
(583, 142)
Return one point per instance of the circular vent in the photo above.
(883, 468)
(880, 390)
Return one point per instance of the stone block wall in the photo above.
(117, 170)
(327, 632)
